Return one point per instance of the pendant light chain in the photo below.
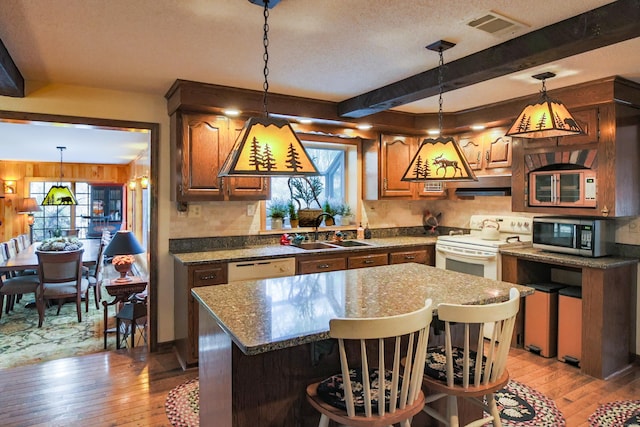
(265, 56)
(440, 65)
(61, 149)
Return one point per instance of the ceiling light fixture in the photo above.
(439, 159)
(267, 146)
(59, 195)
(546, 118)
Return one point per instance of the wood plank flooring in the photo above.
(129, 388)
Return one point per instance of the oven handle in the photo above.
(454, 253)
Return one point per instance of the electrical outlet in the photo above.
(195, 211)
(251, 209)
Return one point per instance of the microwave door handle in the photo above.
(553, 189)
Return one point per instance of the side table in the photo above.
(121, 292)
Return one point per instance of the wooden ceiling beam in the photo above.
(11, 81)
(606, 25)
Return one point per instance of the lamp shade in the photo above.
(439, 159)
(268, 147)
(59, 195)
(28, 205)
(546, 118)
(123, 243)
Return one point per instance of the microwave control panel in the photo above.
(586, 236)
(590, 188)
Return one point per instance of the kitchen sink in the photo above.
(314, 245)
(350, 243)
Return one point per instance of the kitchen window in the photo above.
(337, 164)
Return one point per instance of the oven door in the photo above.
(468, 259)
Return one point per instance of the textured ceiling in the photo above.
(330, 49)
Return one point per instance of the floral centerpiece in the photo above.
(59, 244)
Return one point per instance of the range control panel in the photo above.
(506, 224)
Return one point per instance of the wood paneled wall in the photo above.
(13, 224)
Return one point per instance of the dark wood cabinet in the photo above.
(186, 320)
(106, 209)
(201, 144)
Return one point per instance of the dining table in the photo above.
(28, 259)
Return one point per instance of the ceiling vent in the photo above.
(496, 24)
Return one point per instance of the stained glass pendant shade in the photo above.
(545, 118)
(59, 195)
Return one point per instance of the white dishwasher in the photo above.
(262, 269)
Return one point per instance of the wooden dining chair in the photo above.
(476, 369)
(11, 287)
(61, 278)
(94, 276)
(357, 396)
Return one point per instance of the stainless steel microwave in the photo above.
(590, 237)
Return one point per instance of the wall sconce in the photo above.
(9, 188)
(132, 185)
(144, 182)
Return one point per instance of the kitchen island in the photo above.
(262, 341)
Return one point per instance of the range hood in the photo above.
(485, 186)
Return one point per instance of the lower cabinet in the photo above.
(186, 321)
(186, 277)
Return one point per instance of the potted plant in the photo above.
(345, 214)
(332, 209)
(278, 209)
(307, 190)
(293, 214)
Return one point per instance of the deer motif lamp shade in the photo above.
(439, 159)
(122, 247)
(546, 118)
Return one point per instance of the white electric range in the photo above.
(478, 253)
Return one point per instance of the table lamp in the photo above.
(28, 206)
(122, 247)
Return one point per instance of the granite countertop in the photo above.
(270, 314)
(282, 251)
(534, 254)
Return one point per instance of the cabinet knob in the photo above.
(409, 257)
(208, 277)
(368, 261)
(323, 265)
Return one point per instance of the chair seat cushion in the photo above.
(19, 285)
(436, 364)
(51, 290)
(331, 390)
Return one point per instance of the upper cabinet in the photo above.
(202, 143)
(487, 151)
(385, 162)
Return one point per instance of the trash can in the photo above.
(570, 325)
(541, 319)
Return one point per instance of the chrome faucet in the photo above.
(317, 224)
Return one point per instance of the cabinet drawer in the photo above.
(368, 260)
(408, 256)
(321, 265)
(209, 275)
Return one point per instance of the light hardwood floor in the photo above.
(129, 388)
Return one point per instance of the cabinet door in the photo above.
(250, 188)
(498, 152)
(395, 157)
(472, 149)
(106, 209)
(202, 143)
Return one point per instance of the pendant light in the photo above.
(546, 118)
(439, 159)
(267, 146)
(59, 195)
